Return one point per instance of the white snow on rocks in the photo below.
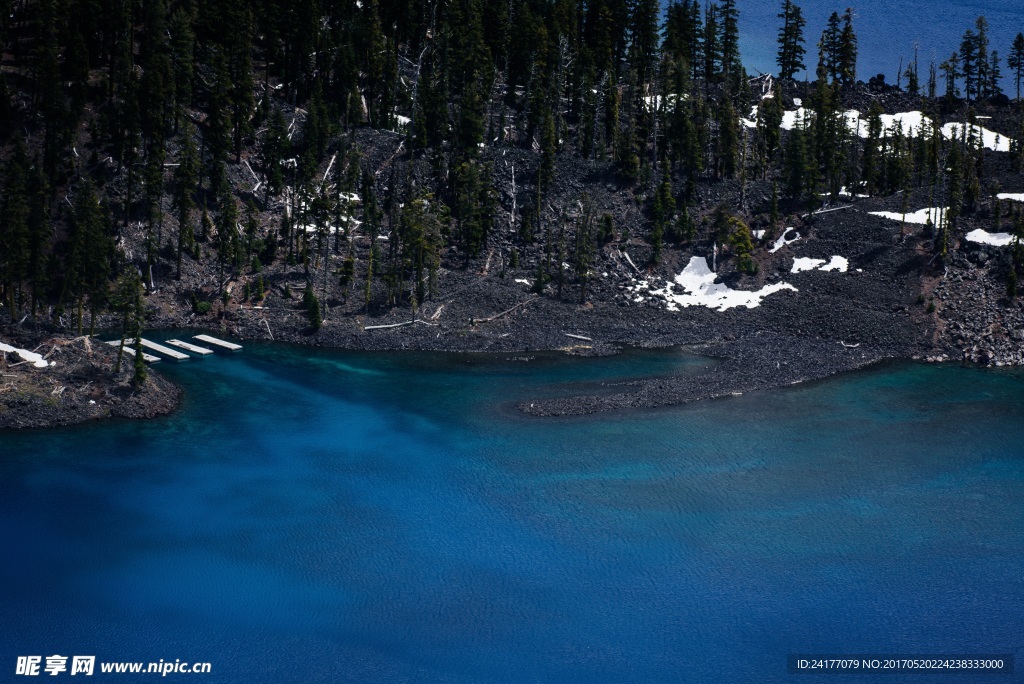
(782, 241)
(922, 216)
(983, 237)
(35, 359)
(1012, 196)
(836, 263)
(700, 289)
(792, 119)
(989, 139)
(806, 264)
(752, 121)
(910, 123)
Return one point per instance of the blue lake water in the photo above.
(886, 30)
(316, 516)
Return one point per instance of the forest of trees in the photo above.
(139, 113)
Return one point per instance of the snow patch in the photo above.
(791, 119)
(35, 359)
(1012, 196)
(806, 264)
(700, 289)
(983, 237)
(989, 139)
(782, 241)
(837, 263)
(911, 123)
(922, 216)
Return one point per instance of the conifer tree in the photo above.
(847, 51)
(127, 300)
(732, 68)
(644, 38)
(712, 71)
(186, 177)
(829, 47)
(872, 159)
(995, 76)
(1016, 61)
(14, 230)
(182, 47)
(951, 72)
(728, 148)
(791, 40)
(796, 165)
(663, 208)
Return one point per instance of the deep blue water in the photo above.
(886, 30)
(315, 516)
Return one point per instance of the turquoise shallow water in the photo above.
(314, 516)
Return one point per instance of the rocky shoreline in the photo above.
(79, 386)
(892, 302)
(833, 322)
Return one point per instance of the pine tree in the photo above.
(791, 40)
(1016, 61)
(742, 244)
(873, 153)
(847, 51)
(186, 177)
(995, 76)
(796, 165)
(712, 71)
(643, 47)
(127, 300)
(663, 207)
(829, 47)
(951, 72)
(549, 150)
(732, 67)
(969, 63)
(273, 150)
(182, 47)
(982, 57)
(227, 235)
(728, 148)
(14, 230)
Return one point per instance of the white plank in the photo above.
(195, 349)
(218, 343)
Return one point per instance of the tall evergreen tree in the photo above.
(186, 177)
(732, 67)
(847, 51)
(14, 230)
(791, 40)
(1016, 61)
(643, 48)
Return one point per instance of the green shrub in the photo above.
(312, 305)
